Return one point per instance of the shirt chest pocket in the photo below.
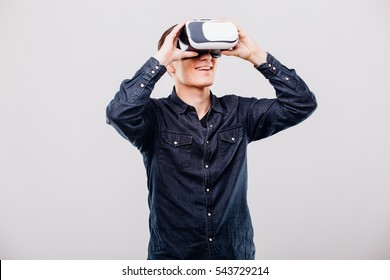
(175, 149)
(231, 146)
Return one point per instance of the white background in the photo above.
(72, 188)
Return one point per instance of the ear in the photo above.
(171, 69)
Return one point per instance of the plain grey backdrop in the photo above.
(72, 188)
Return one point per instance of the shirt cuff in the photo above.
(271, 67)
(145, 80)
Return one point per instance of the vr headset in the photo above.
(208, 36)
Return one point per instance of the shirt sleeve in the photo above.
(294, 102)
(131, 112)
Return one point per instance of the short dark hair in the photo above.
(163, 36)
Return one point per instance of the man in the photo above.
(194, 145)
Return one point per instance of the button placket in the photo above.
(207, 167)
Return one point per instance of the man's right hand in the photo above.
(169, 52)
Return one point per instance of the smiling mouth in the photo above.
(204, 68)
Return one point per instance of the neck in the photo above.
(199, 98)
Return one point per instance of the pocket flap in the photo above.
(176, 139)
(231, 135)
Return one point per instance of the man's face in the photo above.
(195, 72)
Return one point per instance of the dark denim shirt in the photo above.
(197, 176)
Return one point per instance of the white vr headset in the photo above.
(207, 35)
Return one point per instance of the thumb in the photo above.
(188, 54)
(229, 52)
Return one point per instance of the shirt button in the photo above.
(156, 67)
(174, 142)
(153, 71)
(273, 68)
(287, 79)
(142, 85)
(207, 142)
(206, 166)
(209, 214)
(269, 65)
(211, 125)
(233, 139)
(210, 239)
(207, 190)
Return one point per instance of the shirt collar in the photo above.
(182, 107)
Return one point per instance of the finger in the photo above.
(188, 54)
(174, 34)
(176, 30)
(229, 52)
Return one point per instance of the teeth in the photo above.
(204, 68)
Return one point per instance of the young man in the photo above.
(194, 145)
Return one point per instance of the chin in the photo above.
(206, 83)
